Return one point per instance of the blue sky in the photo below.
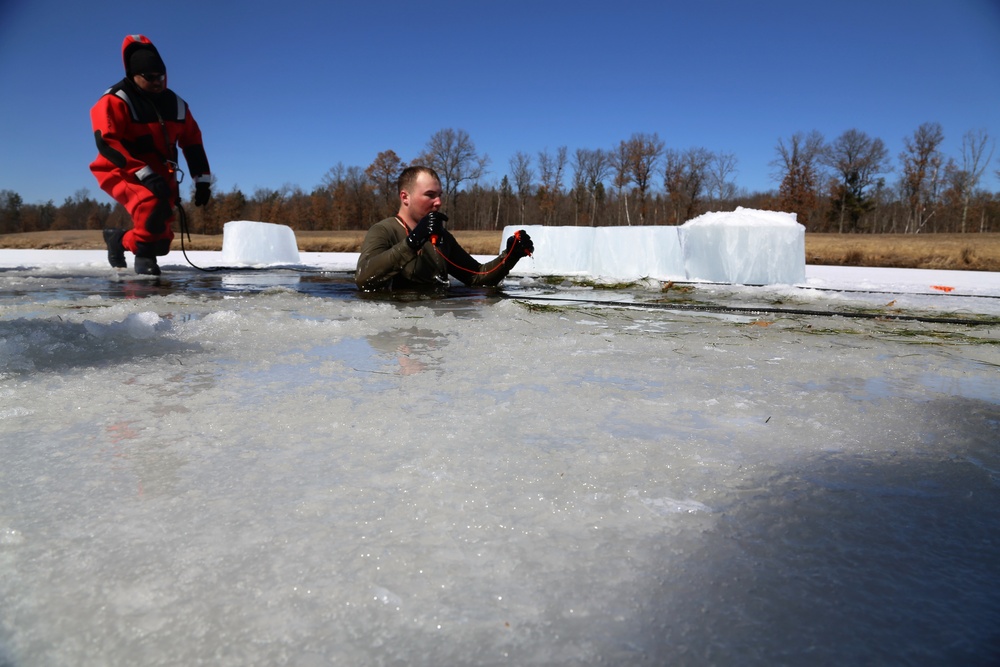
(284, 91)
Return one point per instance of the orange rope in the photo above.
(475, 273)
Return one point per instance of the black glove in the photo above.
(158, 186)
(519, 245)
(430, 225)
(202, 193)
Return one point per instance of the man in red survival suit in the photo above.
(138, 124)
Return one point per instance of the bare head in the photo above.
(419, 194)
(408, 177)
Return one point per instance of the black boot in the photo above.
(116, 251)
(147, 266)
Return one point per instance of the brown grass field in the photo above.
(967, 252)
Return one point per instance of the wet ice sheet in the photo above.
(829, 292)
(262, 475)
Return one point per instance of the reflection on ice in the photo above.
(291, 474)
(256, 281)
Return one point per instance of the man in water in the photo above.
(413, 250)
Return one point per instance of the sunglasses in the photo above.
(153, 78)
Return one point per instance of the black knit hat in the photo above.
(145, 60)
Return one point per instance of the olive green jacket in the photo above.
(387, 262)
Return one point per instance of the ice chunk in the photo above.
(248, 243)
(618, 253)
(564, 251)
(745, 246)
(630, 253)
(136, 325)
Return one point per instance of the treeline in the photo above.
(847, 185)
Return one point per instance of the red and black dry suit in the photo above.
(137, 134)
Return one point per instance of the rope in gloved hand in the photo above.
(429, 230)
(512, 243)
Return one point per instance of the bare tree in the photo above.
(352, 204)
(684, 179)
(974, 148)
(720, 169)
(452, 154)
(262, 202)
(333, 176)
(383, 174)
(798, 172)
(359, 191)
(579, 191)
(621, 165)
(523, 175)
(644, 152)
(550, 172)
(857, 159)
(922, 164)
(591, 169)
(504, 195)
